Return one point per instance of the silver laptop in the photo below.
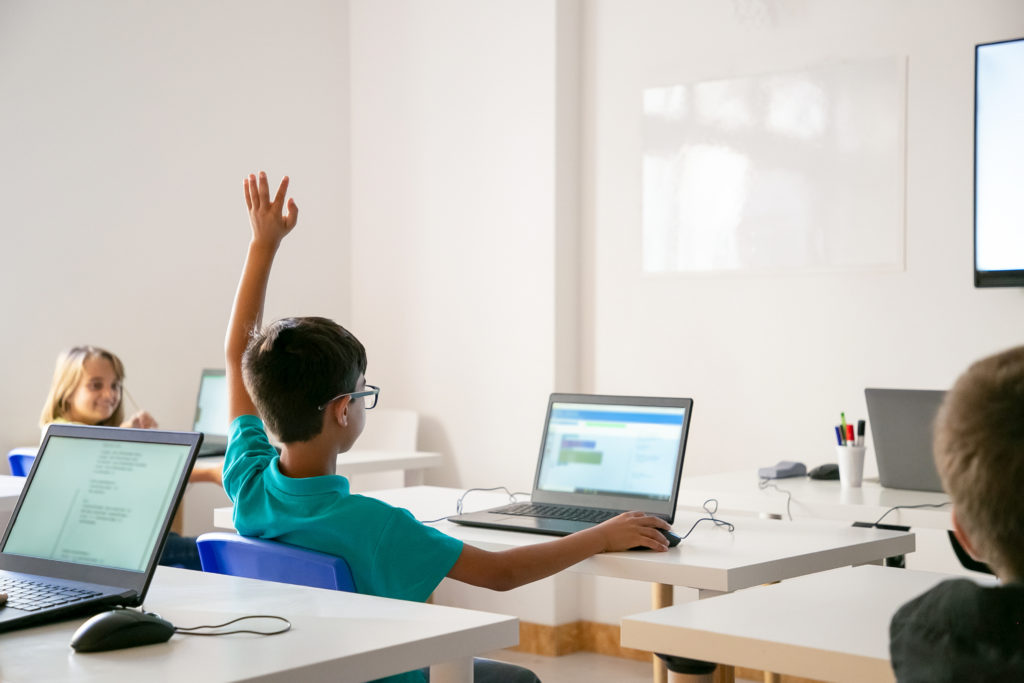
(211, 416)
(91, 522)
(901, 428)
(600, 456)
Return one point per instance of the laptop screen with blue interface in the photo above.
(618, 450)
(98, 502)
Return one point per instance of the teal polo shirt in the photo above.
(391, 554)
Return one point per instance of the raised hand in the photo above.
(267, 217)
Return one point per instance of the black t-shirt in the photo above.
(960, 631)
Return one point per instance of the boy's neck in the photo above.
(315, 458)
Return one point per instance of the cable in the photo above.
(458, 504)
(188, 631)
(908, 507)
(710, 518)
(764, 483)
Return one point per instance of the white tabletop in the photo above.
(815, 499)
(711, 559)
(360, 461)
(831, 626)
(335, 636)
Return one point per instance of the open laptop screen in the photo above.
(98, 502)
(618, 450)
(212, 404)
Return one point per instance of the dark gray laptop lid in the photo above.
(901, 423)
(97, 505)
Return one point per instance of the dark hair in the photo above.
(295, 365)
(979, 450)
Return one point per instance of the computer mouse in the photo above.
(827, 471)
(121, 628)
(671, 537)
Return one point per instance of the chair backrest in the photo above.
(389, 430)
(20, 459)
(258, 558)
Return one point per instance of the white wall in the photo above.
(765, 358)
(126, 128)
(454, 226)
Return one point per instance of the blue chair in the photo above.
(258, 558)
(20, 459)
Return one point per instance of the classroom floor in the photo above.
(582, 666)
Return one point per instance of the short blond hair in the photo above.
(66, 377)
(979, 452)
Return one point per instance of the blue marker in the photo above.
(839, 436)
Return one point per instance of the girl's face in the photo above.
(98, 393)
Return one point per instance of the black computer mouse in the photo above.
(121, 628)
(671, 537)
(826, 471)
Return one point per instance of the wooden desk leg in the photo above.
(772, 678)
(457, 671)
(661, 596)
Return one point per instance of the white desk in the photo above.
(413, 463)
(356, 461)
(201, 499)
(335, 636)
(832, 626)
(711, 560)
(815, 499)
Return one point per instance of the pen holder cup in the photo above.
(851, 465)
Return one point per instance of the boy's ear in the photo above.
(340, 411)
(965, 540)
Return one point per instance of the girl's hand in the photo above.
(140, 420)
(269, 222)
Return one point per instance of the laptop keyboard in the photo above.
(551, 511)
(35, 595)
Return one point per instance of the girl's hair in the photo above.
(66, 378)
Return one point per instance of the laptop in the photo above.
(91, 521)
(599, 456)
(211, 417)
(901, 428)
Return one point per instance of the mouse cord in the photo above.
(458, 504)
(193, 630)
(711, 510)
(908, 507)
(766, 483)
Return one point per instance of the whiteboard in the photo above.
(797, 170)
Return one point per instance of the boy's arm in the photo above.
(269, 226)
(515, 567)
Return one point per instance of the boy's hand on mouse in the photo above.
(269, 222)
(633, 529)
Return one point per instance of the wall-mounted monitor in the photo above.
(999, 164)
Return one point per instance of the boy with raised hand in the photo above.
(960, 631)
(305, 378)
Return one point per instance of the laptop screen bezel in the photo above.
(135, 581)
(663, 508)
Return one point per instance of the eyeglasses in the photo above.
(369, 397)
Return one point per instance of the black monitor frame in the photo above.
(989, 278)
